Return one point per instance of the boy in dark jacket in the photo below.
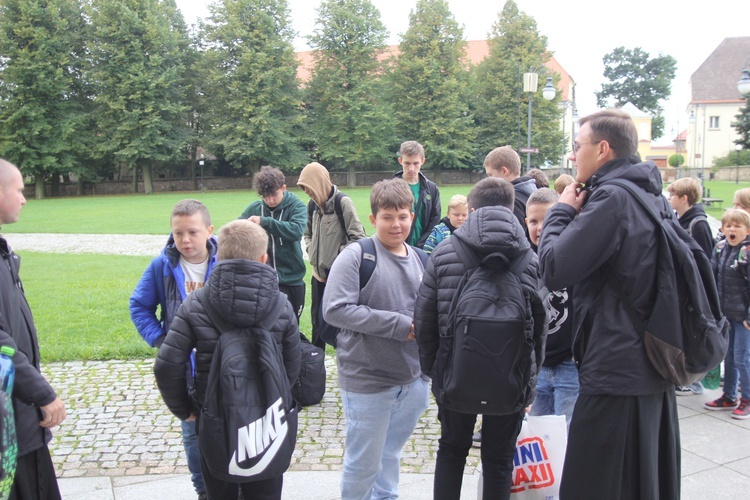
(490, 227)
(242, 291)
(683, 197)
(426, 194)
(283, 216)
(730, 263)
(182, 267)
(504, 163)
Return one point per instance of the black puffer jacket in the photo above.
(730, 269)
(30, 390)
(612, 238)
(488, 230)
(242, 293)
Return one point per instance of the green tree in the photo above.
(42, 98)
(428, 87)
(676, 160)
(139, 71)
(348, 115)
(253, 110)
(742, 126)
(634, 76)
(500, 105)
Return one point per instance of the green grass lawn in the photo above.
(724, 191)
(149, 214)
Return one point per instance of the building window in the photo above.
(713, 122)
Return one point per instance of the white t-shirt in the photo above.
(195, 274)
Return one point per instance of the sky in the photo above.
(579, 33)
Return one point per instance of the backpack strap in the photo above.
(517, 265)
(340, 212)
(694, 222)
(268, 319)
(369, 257)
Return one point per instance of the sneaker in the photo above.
(743, 410)
(477, 438)
(723, 403)
(684, 391)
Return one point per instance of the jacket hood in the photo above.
(525, 184)
(644, 174)
(493, 229)
(692, 213)
(243, 292)
(317, 181)
(173, 255)
(288, 199)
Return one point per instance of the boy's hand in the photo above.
(54, 413)
(191, 418)
(746, 325)
(572, 197)
(411, 335)
(255, 219)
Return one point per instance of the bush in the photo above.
(676, 160)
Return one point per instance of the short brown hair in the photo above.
(540, 178)
(242, 239)
(268, 181)
(504, 156)
(191, 207)
(410, 148)
(735, 216)
(742, 198)
(562, 182)
(616, 127)
(391, 194)
(491, 192)
(687, 186)
(543, 196)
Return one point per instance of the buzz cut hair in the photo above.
(504, 156)
(191, 207)
(411, 148)
(491, 192)
(242, 239)
(268, 180)
(391, 194)
(543, 196)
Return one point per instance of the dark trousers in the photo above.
(35, 477)
(316, 292)
(296, 297)
(623, 448)
(499, 434)
(216, 489)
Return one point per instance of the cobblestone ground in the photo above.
(117, 425)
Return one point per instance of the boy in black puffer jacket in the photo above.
(730, 263)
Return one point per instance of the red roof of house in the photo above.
(476, 51)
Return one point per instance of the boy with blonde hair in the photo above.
(383, 390)
(730, 263)
(242, 290)
(562, 182)
(183, 266)
(458, 210)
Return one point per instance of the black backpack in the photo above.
(369, 258)
(247, 427)
(686, 334)
(311, 383)
(489, 368)
(312, 207)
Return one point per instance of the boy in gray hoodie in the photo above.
(382, 388)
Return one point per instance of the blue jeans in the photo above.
(556, 390)
(190, 442)
(737, 361)
(377, 427)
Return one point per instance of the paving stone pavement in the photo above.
(117, 425)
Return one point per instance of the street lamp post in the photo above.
(738, 147)
(530, 84)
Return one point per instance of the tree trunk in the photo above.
(79, 187)
(55, 189)
(39, 186)
(194, 164)
(148, 181)
(437, 178)
(135, 179)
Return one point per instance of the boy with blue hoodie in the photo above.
(182, 267)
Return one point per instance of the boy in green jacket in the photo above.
(283, 216)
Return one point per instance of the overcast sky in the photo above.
(579, 33)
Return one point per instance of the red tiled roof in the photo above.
(476, 51)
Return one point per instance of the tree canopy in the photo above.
(634, 76)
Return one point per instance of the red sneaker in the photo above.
(723, 403)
